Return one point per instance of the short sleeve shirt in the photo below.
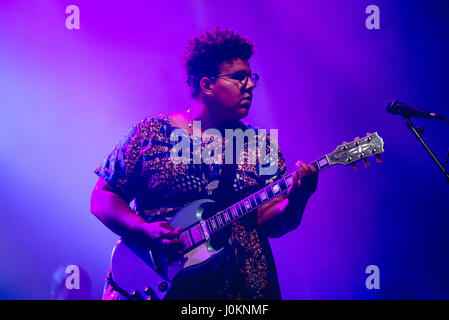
(141, 168)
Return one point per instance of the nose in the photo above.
(249, 84)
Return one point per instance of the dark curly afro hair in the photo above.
(204, 54)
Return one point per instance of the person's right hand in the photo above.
(162, 235)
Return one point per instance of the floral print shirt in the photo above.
(140, 169)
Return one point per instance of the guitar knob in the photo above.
(135, 295)
(163, 286)
(150, 293)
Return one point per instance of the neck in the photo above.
(200, 111)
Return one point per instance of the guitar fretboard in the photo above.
(345, 154)
(227, 216)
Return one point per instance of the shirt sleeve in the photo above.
(122, 169)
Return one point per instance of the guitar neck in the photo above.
(222, 219)
(345, 154)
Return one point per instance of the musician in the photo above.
(140, 168)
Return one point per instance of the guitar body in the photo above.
(151, 274)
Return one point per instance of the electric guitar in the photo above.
(141, 273)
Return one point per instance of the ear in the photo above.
(207, 86)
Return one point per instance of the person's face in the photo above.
(231, 100)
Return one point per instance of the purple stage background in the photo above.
(67, 96)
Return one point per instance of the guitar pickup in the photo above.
(196, 233)
(205, 230)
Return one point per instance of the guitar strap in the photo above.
(212, 276)
(225, 194)
(225, 266)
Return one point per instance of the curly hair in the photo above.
(204, 53)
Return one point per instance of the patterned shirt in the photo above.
(140, 168)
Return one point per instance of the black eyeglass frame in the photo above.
(253, 76)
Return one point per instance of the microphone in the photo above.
(397, 107)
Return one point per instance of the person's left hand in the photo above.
(305, 185)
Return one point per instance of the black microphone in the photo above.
(397, 107)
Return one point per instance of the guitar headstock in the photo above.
(359, 149)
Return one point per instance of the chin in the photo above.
(242, 112)
(237, 112)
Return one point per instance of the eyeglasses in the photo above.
(241, 76)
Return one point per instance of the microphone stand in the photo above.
(417, 132)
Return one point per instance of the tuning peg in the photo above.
(378, 159)
(366, 163)
(368, 133)
(356, 138)
(354, 167)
